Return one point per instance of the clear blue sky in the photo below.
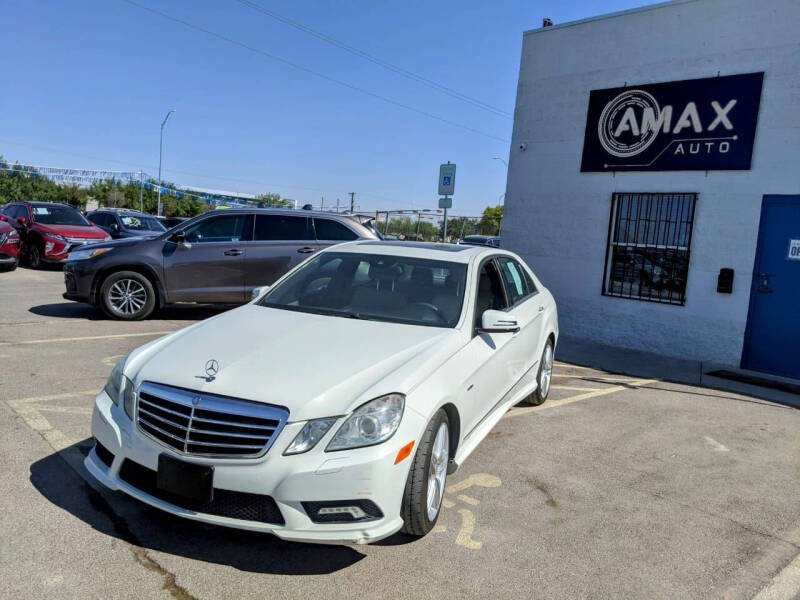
(87, 83)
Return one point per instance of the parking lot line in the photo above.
(785, 585)
(515, 412)
(86, 338)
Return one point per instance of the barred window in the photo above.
(649, 239)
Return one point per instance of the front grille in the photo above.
(200, 424)
(226, 503)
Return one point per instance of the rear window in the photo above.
(282, 227)
(328, 229)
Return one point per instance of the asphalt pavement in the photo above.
(618, 486)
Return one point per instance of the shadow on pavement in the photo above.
(175, 312)
(146, 527)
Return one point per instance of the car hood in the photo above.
(315, 365)
(74, 231)
(123, 242)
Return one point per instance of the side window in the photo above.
(514, 277)
(227, 228)
(490, 291)
(327, 229)
(100, 219)
(18, 211)
(282, 227)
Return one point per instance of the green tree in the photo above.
(490, 221)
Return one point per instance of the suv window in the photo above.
(101, 219)
(227, 228)
(328, 229)
(282, 227)
(17, 211)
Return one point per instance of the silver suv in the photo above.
(216, 257)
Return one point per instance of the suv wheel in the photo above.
(127, 295)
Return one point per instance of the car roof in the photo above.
(120, 211)
(39, 203)
(288, 211)
(430, 250)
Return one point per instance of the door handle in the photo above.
(306, 250)
(233, 252)
(541, 308)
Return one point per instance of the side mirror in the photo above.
(496, 321)
(258, 291)
(178, 237)
(22, 221)
(114, 227)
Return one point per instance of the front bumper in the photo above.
(78, 282)
(317, 476)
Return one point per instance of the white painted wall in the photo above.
(557, 217)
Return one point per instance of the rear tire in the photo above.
(128, 296)
(543, 377)
(422, 499)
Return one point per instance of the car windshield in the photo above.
(141, 223)
(374, 287)
(58, 215)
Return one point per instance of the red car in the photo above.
(50, 231)
(9, 247)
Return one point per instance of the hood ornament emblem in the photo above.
(212, 368)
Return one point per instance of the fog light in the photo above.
(353, 511)
(342, 511)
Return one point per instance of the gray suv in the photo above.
(218, 257)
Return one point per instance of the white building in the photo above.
(629, 203)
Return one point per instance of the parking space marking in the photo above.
(785, 585)
(515, 412)
(114, 336)
(573, 388)
(468, 520)
(29, 410)
(716, 445)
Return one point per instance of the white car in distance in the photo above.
(332, 407)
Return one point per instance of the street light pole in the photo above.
(160, 153)
(503, 160)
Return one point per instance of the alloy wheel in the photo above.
(547, 370)
(127, 296)
(437, 472)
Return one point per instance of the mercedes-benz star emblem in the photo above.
(212, 368)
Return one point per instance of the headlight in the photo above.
(309, 435)
(56, 237)
(370, 424)
(115, 380)
(87, 253)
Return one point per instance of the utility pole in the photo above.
(322, 203)
(419, 220)
(160, 152)
(352, 201)
(337, 206)
(141, 191)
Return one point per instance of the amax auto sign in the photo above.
(698, 125)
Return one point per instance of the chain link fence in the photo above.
(424, 225)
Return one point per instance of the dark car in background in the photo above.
(218, 257)
(9, 247)
(50, 231)
(124, 223)
(481, 240)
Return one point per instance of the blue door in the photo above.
(772, 338)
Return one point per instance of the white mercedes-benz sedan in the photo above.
(333, 407)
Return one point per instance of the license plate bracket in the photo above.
(195, 482)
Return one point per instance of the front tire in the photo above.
(422, 499)
(543, 377)
(128, 296)
(35, 257)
